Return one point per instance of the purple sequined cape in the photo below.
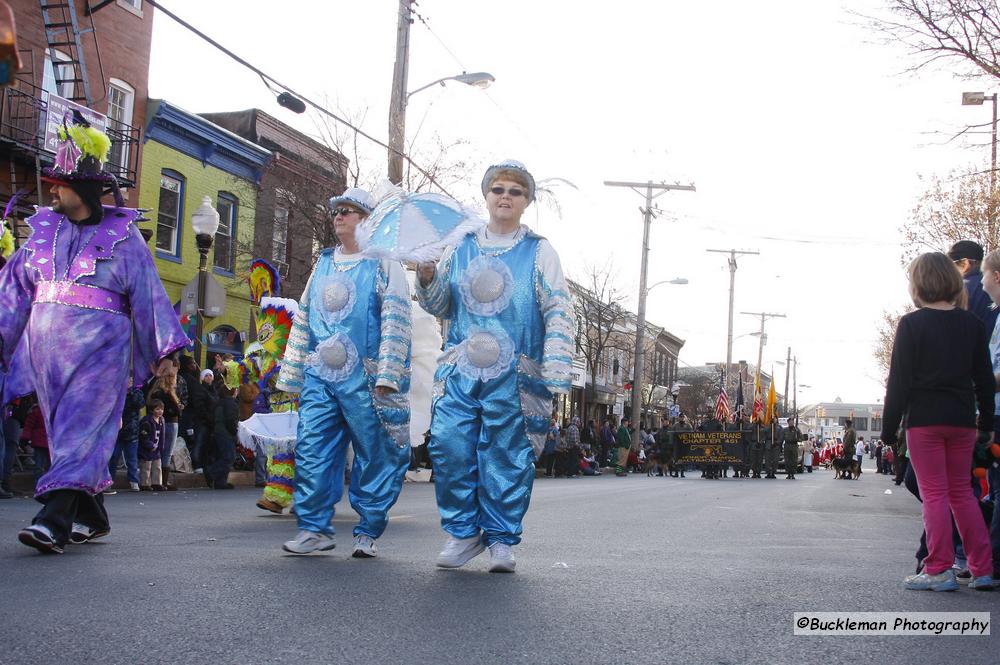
(80, 360)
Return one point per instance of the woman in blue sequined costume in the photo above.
(509, 345)
(348, 357)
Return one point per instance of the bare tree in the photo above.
(599, 318)
(697, 394)
(962, 33)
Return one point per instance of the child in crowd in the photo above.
(151, 437)
(939, 374)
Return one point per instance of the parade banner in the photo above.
(709, 448)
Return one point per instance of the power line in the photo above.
(424, 22)
(268, 78)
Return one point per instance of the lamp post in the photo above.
(205, 222)
(399, 98)
(977, 99)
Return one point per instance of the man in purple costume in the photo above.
(82, 314)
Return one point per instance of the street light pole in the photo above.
(205, 222)
(638, 365)
(977, 99)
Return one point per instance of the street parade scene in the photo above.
(400, 332)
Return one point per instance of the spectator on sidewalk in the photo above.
(152, 433)
(624, 440)
(127, 444)
(227, 419)
(34, 435)
(607, 435)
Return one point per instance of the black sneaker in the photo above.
(964, 576)
(224, 486)
(39, 537)
(4, 494)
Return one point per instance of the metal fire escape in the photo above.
(63, 32)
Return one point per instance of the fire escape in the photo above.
(23, 108)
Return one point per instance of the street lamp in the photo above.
(205, 222)
(677, 281)
(397, 111)
(977, 99)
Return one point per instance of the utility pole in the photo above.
(733, 253)
(764, 316)
(638, 365)
(397, 102)
(788, 368)
(795, 393)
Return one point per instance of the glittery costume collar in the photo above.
(45, 225)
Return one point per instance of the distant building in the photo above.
(829, 418)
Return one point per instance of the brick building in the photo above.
(99, 60)
(292, 220)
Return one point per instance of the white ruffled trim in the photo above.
(315, 359)
(477, 267)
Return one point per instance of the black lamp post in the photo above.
(205, 222)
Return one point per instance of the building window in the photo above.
(134, 6)
(120, 99)
(279, 238)
(225, 237)
(169, 213)
(52, 70)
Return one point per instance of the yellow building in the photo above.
(185, 159)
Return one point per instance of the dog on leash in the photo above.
(846, 468)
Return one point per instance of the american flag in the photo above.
(722, 404)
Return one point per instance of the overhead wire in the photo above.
(268, 78)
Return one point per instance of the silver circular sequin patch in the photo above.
(334, 356)
(336, 296)
(487, 286)
(483, 349)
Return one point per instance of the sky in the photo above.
(803, 132)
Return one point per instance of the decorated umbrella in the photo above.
(415, 227)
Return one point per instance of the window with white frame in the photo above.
(279, 237)
(225, 237)
(120, 104)
(168, 214)
(52, 70)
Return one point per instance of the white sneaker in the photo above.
(364, 547)
(133, 487)
(309, 541)
(81, 533)
(458, 552)
(501, 558)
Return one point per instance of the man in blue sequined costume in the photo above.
(348, 356)
(509, 318)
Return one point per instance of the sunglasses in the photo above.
(513, 191)
(343, 211)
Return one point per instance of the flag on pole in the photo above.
(740, 406)
(771, 411)
(722, 404)
(757, 415)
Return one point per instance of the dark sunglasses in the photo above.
(343, 211)
(513, 191)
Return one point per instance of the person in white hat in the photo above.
(509, 347)
(348, 358)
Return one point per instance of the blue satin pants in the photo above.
(483, 460)
(329, 419)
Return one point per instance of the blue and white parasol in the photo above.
(415, 227)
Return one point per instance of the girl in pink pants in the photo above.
(939, 374)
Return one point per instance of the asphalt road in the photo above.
(611, 570)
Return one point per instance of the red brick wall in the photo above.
(123, 39)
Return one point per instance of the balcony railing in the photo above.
(22, 128)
